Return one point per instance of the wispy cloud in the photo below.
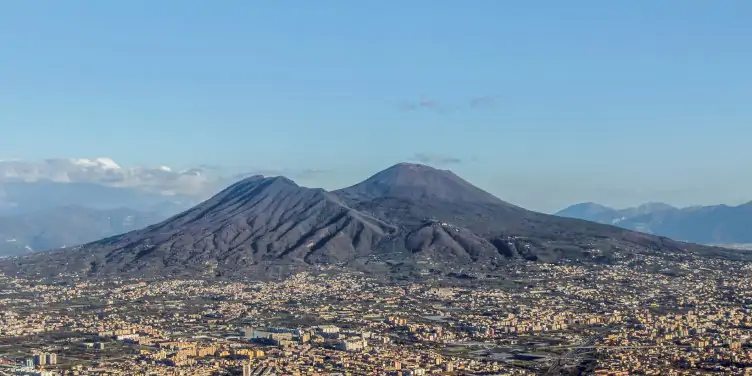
(483, 101)
(197, 181)
(105, 171)
(436, 159)
(210, 167)
(423, 104)
(437, 106)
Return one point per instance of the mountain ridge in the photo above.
(713, 224)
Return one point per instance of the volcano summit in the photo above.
(408, 217)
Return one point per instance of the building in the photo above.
(448, 367)
(328, 329)
(32, 373)
(40, 359)
(352, 345)
(246, 370)
(271, 338)
(51, 359)
(30, 362)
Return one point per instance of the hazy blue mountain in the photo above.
(67, 226)
(28, 197)
(716, 224)
(590, 211)
(41, 215)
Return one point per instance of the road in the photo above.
(596, 347)
(577, 351)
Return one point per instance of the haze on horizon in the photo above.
(544, 106)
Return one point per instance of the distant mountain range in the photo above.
(27, 197)
(407, 220)
(43, 215)
(67, 226)
(716, 224)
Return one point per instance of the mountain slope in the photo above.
(253, 221)
(66, 226)
(717, 224)
(407, 218)
(508, 230)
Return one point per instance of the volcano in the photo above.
(407, 217)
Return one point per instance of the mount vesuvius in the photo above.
(409, 217)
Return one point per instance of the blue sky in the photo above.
(543, 103)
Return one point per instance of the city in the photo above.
(688, 317)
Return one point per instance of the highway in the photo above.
(613, 347)
(578, 351)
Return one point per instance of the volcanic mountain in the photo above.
(407, 217)
(417, 182)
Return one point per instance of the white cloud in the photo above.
(105, 171)
(102, 163)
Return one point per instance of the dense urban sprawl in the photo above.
(642, 315)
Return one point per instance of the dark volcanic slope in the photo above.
(254, 221)
(411, 194)
(508, 231)
(419, 183)
(407, 217)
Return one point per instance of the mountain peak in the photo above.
(417, 181)
(585, 208)
(255, 188)
(281, 180)
(417, 167)
(649, 207)
(413, 173)
(255, 179)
